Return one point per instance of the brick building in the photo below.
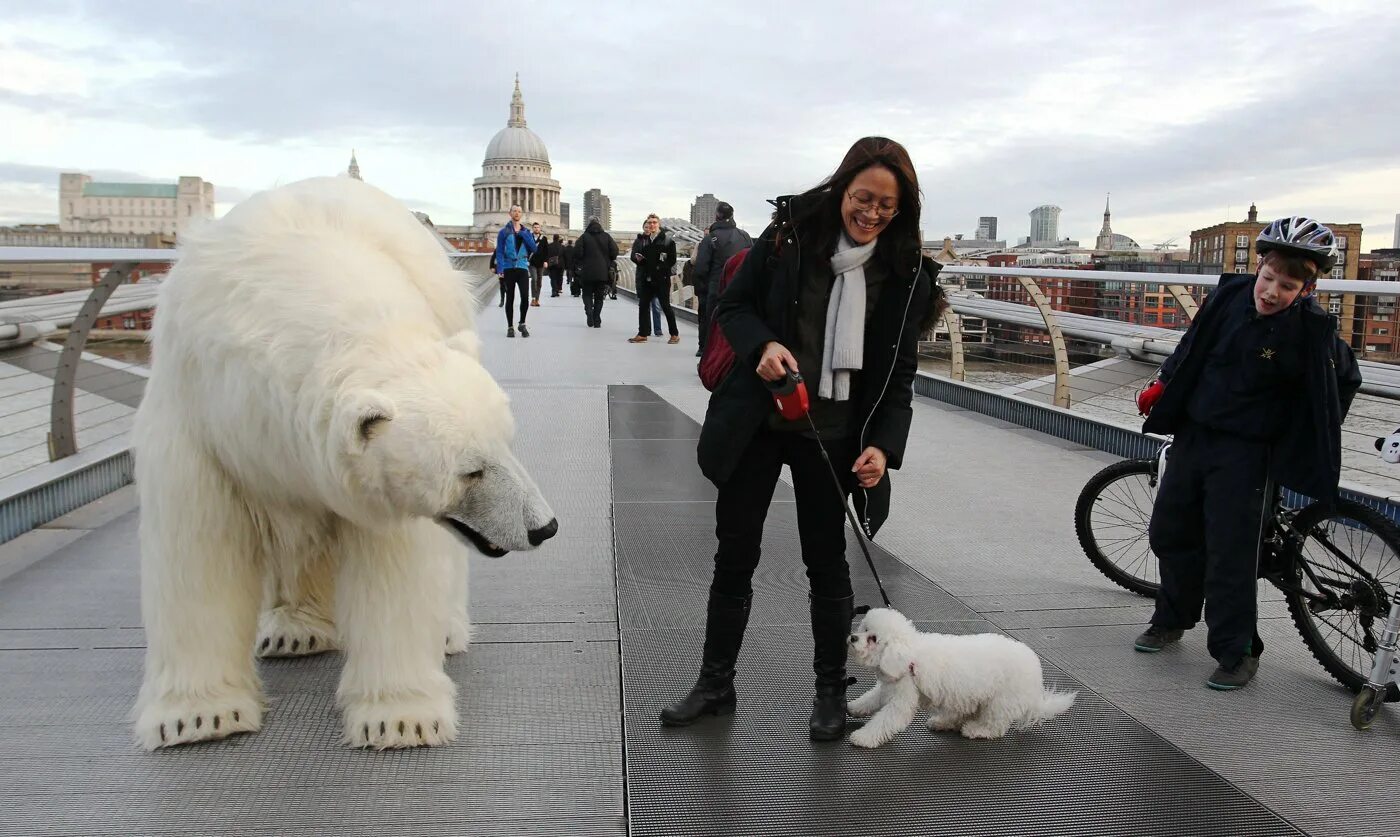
(1375, 320)
(1231, 245)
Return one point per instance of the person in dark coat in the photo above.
(834, 289)
(654, 255)
(595, 253)
(569, 268)
(555, 265)
(1255, 393)
(717, 247)
(538, 260)
(500, 280)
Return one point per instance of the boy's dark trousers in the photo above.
(1206, 527)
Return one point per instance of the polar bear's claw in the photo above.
(172, 722)
(412, 722)
(287, 632)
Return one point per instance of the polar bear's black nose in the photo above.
(544, 533)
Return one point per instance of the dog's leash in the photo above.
(850, 515)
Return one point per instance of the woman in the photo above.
(823, 291)
(654, 254)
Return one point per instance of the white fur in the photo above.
(980, 685)
(316, 410)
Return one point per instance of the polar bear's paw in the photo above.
(459, 635)
(415, 721)
(293, 632)
(170, 721)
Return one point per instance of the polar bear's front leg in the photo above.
(459, 627)
(391, 613)
(200, 591)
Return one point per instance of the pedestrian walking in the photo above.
(514, 246)
(595, 253)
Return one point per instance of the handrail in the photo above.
(1341, 286)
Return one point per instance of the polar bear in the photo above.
(317, 415)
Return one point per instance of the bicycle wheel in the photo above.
(1339, 610)
(1110, 518)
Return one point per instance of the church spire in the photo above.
(354, 170)
(517, 107)
(1105, 239)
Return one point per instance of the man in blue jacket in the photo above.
(514, 246)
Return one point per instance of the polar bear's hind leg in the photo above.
(298, 620)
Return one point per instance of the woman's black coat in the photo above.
(760, 305)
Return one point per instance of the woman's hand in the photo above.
(870, 467)
(775, 355)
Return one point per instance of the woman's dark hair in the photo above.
(816, 213)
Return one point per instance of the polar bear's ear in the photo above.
(359, 415)
(466, 342)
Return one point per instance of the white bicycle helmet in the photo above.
(1300, 236)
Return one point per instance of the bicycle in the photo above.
(1338, 568)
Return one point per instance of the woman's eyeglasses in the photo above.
(865, 202)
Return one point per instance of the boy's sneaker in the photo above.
(1154, 639)
(1236, 677)
(524, 332)
(510, 331)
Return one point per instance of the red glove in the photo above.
(1148, 397)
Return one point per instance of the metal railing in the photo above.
(1087, 341)
(1081, 342)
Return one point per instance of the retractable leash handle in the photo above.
(790, 397)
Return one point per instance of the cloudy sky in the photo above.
(1185, 111)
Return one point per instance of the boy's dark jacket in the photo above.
(1307, 457)
(766, 285)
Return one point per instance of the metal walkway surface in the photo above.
(577, 645)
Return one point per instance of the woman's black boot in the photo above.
(831, 627)
(713, 694)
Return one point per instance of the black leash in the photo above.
(850, 515)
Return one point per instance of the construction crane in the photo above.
(1165, 245)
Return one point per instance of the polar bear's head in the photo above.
(434, 441)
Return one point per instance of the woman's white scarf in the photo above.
(843, 351)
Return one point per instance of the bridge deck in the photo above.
(579, 644)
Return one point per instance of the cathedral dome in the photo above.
(516, 143)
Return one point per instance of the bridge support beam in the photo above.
(63, 437)
(957, 366)
(1057, 339)
(1185, 300)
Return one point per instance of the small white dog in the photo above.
(980, 685)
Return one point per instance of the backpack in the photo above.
(718, 357)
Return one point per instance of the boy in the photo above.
(1255, 394)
